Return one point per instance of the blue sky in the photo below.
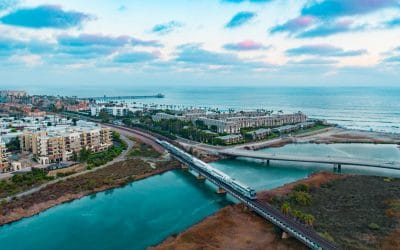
(200, 42)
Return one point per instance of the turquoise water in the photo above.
(366, 108)
(145, 212)
(133, 217)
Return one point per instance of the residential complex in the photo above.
(48, 139)
(232, 123)
(63, 143)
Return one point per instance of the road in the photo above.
(313, 159)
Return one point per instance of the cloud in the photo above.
(245, 45)
(331, 28)
(393, 23)
(136, 57)
(240, 19)
(337, 8)
(294, 25)
(392, 59)
(165, 28)
(145, 43)
(323, 50)
(195, 54)
(45, 16)
(313, 61)
(104, 40)
(10, 46)
(5, 4)
(93, 39)
(250, 1)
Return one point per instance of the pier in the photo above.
(110, 98)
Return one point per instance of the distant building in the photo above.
(111, 109)
(13, 93)
(258, 134)
(164, 116)
(230, 139)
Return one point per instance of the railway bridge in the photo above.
(304, 234)
(337, 162)
(301, 232)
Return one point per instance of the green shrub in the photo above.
(327, 236)
(301, 198)
(301, 188)
(373, 226)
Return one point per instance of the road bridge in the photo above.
(337, 161)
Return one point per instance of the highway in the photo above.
(312, 159)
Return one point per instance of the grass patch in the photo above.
(343, 209)
(21, 182)
(141, 149)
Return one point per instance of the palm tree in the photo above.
(308, 219)
(285, 208)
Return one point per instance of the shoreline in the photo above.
(249, 229)
(22, 213)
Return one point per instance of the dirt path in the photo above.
(119, 158)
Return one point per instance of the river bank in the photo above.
(355, 212)
(115, 175)
(236, 227)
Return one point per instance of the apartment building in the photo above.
(231, 123)
(4, 162)
(62, 144)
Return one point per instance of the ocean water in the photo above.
(364, 108)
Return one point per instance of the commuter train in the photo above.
(235, 184)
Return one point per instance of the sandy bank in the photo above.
(233, 227)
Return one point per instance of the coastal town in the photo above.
(45, 130)
(55, 149)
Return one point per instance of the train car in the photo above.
(244, 189)
(238, 186)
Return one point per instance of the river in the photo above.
(147, 211)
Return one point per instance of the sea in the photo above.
(363, 108)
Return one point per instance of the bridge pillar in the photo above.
(268, 162)
(200, 177)
(221, 191)
(337, 168)
(285, 235)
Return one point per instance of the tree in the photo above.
(84, 155)
(104, 116)
(301, 198)
(13, 145)
(308, 219)
(285, 208)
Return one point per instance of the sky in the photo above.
(103, 43)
